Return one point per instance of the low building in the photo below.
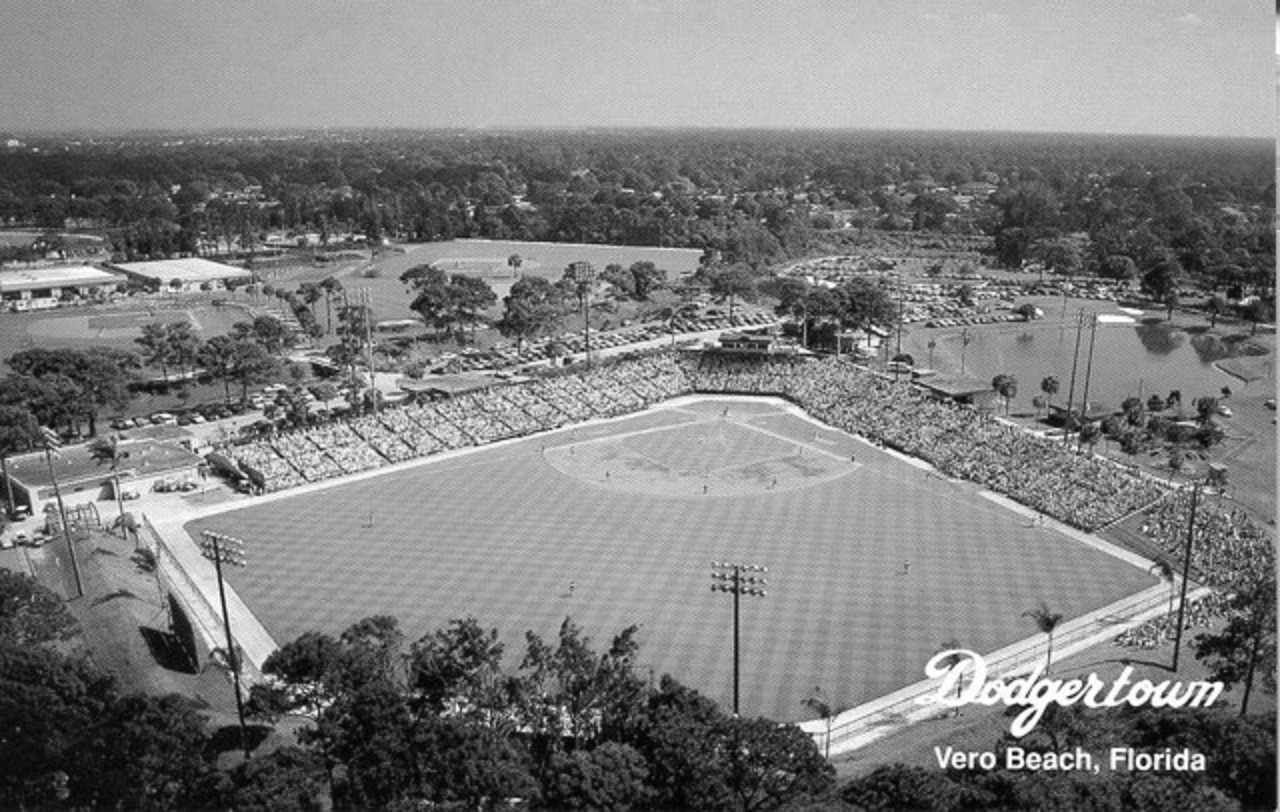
(749, 343)
(41, 288)
(183, 275)
(142, 464)
(965, 390)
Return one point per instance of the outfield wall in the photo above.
(176, 572)
(857, 727)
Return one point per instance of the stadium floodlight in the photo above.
(223, 549)
(729, 577)
(52, 447)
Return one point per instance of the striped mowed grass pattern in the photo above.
(500, 532)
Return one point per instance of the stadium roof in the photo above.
(191, 270)
(76, 466)
(69, 276)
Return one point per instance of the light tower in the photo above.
(738, 579)
(220, 548)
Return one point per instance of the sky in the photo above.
(1175, 67)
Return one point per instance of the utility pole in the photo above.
(1088, 373)
(1071, 390)
(584, 278)
(964, 345)
(362, 296)
(51, 446)
(729, 577)
(1186, 573)
(220, 548)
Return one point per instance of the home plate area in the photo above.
(718, 455)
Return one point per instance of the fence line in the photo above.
(206, 616)
(870, 721)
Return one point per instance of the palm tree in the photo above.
(514, 262)
(1007, 387)
(1163, 567)
(1050, 386)
(817, 702)
(107, 449)
(1047, 621)
(330, 287)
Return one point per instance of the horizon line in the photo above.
(481, 129)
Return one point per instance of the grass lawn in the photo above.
(499, 533)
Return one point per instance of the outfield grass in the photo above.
(500, 532)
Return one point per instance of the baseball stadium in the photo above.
(891, 524)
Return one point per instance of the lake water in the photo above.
(1128, 359)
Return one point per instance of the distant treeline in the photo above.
(755, 197)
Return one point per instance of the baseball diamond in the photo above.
(632, 511)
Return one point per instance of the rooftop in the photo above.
(188, 270)
(63, 276)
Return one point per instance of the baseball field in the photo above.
(873, 564)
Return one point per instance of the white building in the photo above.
(41, 288)
(183, 275)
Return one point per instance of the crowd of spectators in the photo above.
(1229, 548)
(1200, 614)
(396, 434)
(1082, 490)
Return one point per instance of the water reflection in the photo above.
(1158, 338)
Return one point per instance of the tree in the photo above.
(47, 704)
(514, 262)
(156, 347)
(218, 357)
(252, 365)
(646, 277)
(768, 765)
(471, 295)
(1046, 621)
(529, 310)
(31, 614)
(288, 780)
(1089, 434)
(862, 303)
(818, 703)
(330, 287)
(1050, 386)
(98, 377)
(144, 752)
(311, 292)
(107, 449)
(732, 283)
(1164, 568)
(267, 331)
(579, 282)
(899, 786)
(570, 694)
(433, 296)
(1007, 387)
(184, 345)
(1247, 643)
(19, 431)
(1057, 255)
(611, 776)
(457, 666)
(1162, 277)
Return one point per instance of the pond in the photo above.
(1140, 358)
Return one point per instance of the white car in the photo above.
(1224, 410)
